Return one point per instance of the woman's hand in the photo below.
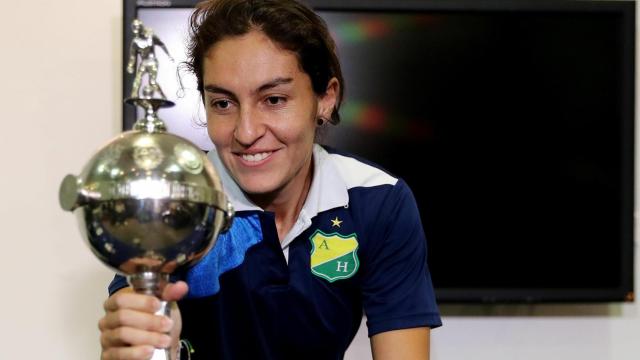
(130, 329)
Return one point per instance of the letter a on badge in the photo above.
(334, 256)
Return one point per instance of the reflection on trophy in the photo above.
(148, 202)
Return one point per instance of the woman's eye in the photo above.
(275, 100)
(221, 104)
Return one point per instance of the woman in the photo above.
(318, 236)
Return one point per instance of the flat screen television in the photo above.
(512, 121)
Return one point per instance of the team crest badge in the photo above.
(334, 256)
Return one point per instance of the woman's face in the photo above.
(261, 112)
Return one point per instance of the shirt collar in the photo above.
(328, 189)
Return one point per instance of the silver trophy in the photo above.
(148, 202)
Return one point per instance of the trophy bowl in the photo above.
(148, 203)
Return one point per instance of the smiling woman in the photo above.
(318, 237)
(261, 116)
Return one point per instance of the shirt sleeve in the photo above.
(396, 285)
(117, 283)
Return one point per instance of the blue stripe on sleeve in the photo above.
(227, 253)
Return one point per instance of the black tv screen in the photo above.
(511, 121)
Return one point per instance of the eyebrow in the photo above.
(273, 83)
(266, 86)
(219, 90)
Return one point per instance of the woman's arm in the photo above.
(405, 344)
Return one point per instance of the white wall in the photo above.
(60, 99)
(60, 95)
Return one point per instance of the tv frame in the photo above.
(489, 295)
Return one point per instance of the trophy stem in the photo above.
(152, 283)
(149, 283)
(150, 122)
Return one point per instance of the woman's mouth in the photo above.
(257, 157)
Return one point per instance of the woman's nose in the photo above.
(249, 127)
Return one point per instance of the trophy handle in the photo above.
(163, 354)
(152, 283)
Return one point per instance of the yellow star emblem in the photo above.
(336, 222)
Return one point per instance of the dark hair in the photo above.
(289, 23)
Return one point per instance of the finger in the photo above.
(175, 291)
(124, 336)
(135, 319)
(128, 353)
(130, 300)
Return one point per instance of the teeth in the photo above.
(255, 157)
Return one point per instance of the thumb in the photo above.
(175, 291)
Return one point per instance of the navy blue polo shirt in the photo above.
(358, 245)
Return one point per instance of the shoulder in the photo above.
(373, 192)
(357, 172)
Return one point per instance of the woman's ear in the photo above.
(327, 101)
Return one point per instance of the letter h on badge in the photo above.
(342, 267)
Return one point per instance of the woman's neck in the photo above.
(287, 202)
